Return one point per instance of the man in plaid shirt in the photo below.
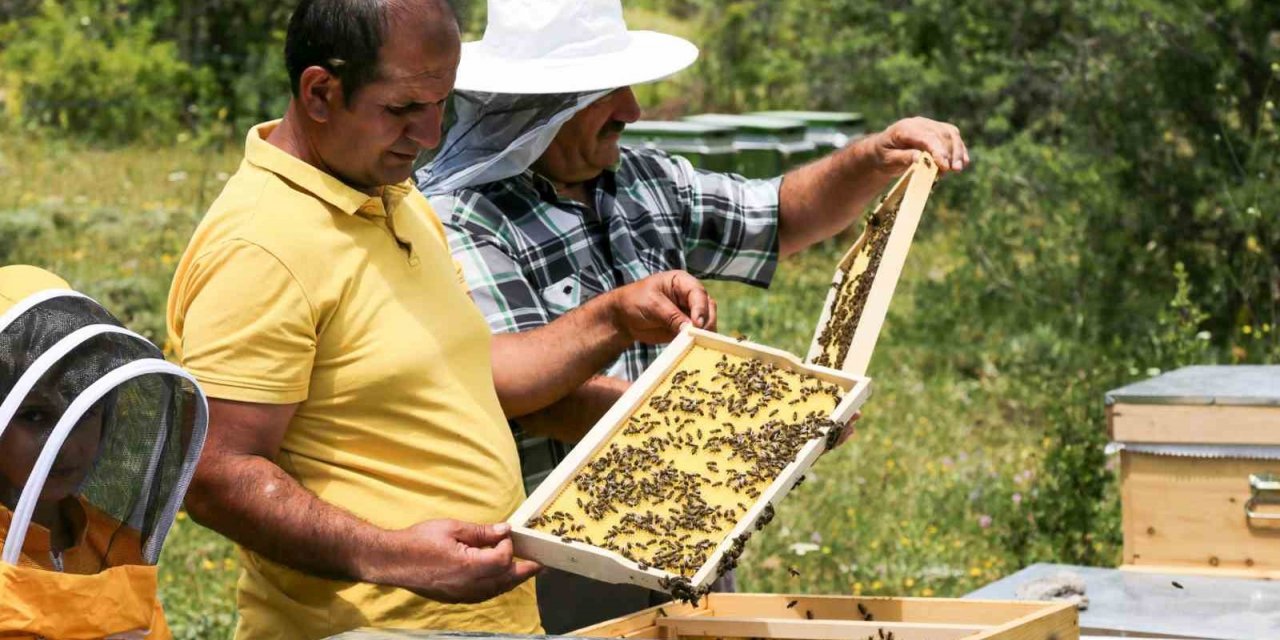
(545, 210)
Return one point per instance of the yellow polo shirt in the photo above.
(296, 289)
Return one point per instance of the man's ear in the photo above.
(320, 92)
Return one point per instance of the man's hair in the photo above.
(342, 36)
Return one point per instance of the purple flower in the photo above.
(815, 538)
(1017, 498)
(984, 521)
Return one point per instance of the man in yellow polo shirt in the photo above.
(358, 450)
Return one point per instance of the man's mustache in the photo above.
(613, 126)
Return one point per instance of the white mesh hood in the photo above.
(92, 420)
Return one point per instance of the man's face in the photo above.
(588, 143)
(26, 435)
(373, 139)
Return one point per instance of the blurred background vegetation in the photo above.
(1119, 220)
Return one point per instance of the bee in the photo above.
(793, 571)
(792, 604)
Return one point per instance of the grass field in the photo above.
(937, 494)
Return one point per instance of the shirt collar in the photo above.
(330, 190)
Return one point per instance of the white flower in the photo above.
(177, 176)
(1203, 335)
(801, 548)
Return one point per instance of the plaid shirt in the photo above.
(530, 256)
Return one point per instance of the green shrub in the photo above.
(96, 73)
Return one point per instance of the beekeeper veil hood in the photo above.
(93, 422)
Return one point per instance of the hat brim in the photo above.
(19, 281)
(649, 56)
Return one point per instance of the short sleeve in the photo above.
(492, 274)
(729, 223)
(244, 327)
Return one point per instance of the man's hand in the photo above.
(450, 561)
(654, 309)
(822, 198)
(847, 431)
(899, 145)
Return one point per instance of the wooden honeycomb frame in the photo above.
(609, 566)
(731, 616)
(866, 276)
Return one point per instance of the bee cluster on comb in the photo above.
(853, 289)
(690, 461)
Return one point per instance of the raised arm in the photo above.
(822, 198)
(239, 491)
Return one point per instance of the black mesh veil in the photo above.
(98, 436)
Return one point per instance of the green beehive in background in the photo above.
(828, 130)
(706, 146)
(766, 146)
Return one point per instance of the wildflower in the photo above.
(1203, 335)
(207, 564)
(975, 572)
(177, 176)
(857, 588)
(1247, 329)
(909, 582)
(926, 592)
(984, 521)
(228, 564)
(801, 548)
(815, 537)
(182, 515)
(875, 586)
(1017, 498)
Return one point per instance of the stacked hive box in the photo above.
(1199, 452)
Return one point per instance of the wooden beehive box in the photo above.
(727, 616)
(866, 276)
(1198, 451)
(578, 543)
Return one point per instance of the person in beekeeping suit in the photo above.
(99, 436)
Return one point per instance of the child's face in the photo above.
(26, 436)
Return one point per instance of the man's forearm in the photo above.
(569, 419)
(252, 501)
(821, 199)
(534, 369)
